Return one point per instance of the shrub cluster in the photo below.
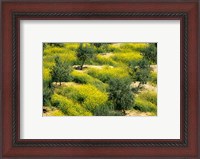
(146, 102)
(101, 60)
(84, 78)
(133, 46)
(87, 95)
(68, 107)
(127, 58)
(71, 46)
(107, 73)
(53, 50)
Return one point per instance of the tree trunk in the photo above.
(60, 83)
(82, 64)
(138, 87)
(124, 112)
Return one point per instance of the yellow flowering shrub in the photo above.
(146, 101)
(107, 73)
(84, 78)
(87, 95)
(105, 60)
(53, 50)
(127, 57)
(133, 46)
(56, 113)
(71, 46)
(46, 74)
(69, 107)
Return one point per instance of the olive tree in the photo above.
(120, 93)
(84, 52)
(150, 53)
(60, 71)
(140, 72)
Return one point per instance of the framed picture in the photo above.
(100, 79)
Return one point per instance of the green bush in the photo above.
(150, 53)
(47, 93)
(120, 94)
(107, 110)
(104, 110)
(69, 107)
(100, 47)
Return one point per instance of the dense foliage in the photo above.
(101, 79)
(84, 51)
(60, 71)
(120, 93)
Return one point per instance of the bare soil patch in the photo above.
(107, 55)
(137, 113)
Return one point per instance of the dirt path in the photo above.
(65, 84)
(137, 113)
(147, 86)
(107, 55)
(91, 66)
(155, 68)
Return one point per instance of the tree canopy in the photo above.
(84, 51)
(61, 71)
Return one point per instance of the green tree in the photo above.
(84, 52)
(140, 72)
(150, 53)
(120, 93)
(61, 71)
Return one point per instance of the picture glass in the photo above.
(99, 79)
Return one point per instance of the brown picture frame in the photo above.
(13, 11)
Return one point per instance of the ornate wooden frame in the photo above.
(14, 11)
